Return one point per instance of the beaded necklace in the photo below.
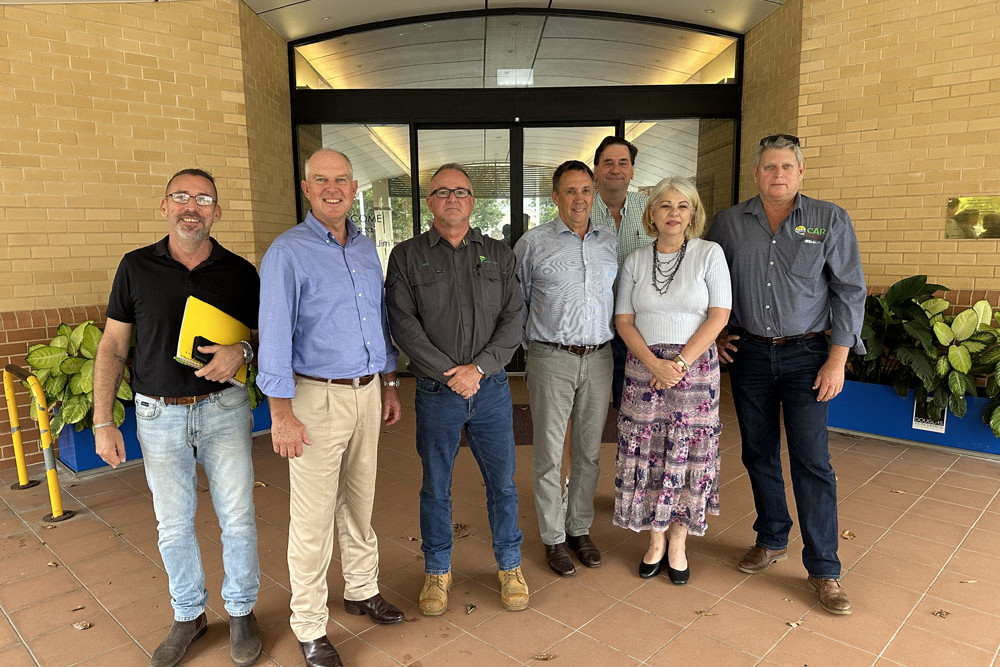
(664, 272)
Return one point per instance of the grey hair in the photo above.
(778, 143)
(350, 167)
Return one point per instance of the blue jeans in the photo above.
(214, 432)
(487, 420)
(768, 381)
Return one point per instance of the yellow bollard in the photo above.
(52, 476)
(15, 433)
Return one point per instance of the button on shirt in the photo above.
(567, 283)
(631, 235)
(452, 306)
(805, 277)
(322, 311)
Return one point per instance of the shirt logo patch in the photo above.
(486, 260)
(800, 230)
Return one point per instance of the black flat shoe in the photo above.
(648, 571)
(678, 577)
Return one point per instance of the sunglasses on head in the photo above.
(774, 137)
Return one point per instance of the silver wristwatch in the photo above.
(390, 383)
(247, 351)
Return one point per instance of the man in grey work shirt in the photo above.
(455, 308)
(617, 208)
(567, 269)
(796, 274)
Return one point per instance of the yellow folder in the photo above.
(205, 320)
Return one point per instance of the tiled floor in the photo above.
(921, 569)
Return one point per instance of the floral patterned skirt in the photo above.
(667, 468)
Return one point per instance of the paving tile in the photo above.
(146, 615)
(913, 486)
(854, 508)
(803, 646)
(984, 541)
(974, 565)
(128, 655)
(709, 651)
(741, 627)
(783, 596)
(631, 630)
(879, 609)
(17, 656)
(579, 649)
(935, 530)
(960, 496)
(974, 465)
(916, 647)
(917, 549)
(975, 482)
(57, 612)
(522, 635)
(939, 509)
(66, 645)
(465, 651)
(570, 603)
(8, 636)
(919, 469)
(901, 572)
(960, 623)
(355, 652)
(983, 595)
(412, 640)
(27, 591)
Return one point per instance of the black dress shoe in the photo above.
(679, 577)
(648, 571)
(377, 607)
(585, 549)
(558, 559)
(172, 649)
(320, 653)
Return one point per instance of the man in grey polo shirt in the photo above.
(617, 208)
(796, 274)
(567, 269)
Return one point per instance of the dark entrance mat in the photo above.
(523, 425)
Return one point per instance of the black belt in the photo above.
(579, 350)
(353, 382)
(780, 340)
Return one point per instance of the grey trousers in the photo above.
(563, 385)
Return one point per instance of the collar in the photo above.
(604, 207)
(321, 231)
(162, 249)
(473, 235)
(755, 207)
(563, 228)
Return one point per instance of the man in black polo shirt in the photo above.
(186, 416)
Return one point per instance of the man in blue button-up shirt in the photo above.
(796, 274)
(324, 343)
(567, 270)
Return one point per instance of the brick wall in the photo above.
(99, 105)
(895, 102)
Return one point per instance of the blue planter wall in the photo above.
(877, 409)
(76, 448)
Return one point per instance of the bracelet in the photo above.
(391, 383)
(682, 362)
(103, 424)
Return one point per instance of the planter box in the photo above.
(76, 448)
(877, 409)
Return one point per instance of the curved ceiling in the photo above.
(301, 19)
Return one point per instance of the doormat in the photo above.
(523, 425)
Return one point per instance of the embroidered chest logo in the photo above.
(811, 234)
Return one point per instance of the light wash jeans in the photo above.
(214, 432)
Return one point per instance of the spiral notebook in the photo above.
(205, 320)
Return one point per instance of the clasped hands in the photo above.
(666, 374)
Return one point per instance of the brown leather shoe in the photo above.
(434, 595)
(320, 653)
(171, 650)
(585, 549)
(557, 556)
(831, 596)
(759, 558)
(513, 590)
(377, 607)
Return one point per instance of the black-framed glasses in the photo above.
(775, 137)
(183, 198)
(444, 193)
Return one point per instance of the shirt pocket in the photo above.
(489, 285)
(429, 288)
(809, 260)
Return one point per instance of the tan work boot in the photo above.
(434, 594)
(513, 590)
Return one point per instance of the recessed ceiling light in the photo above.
(326, 18)
(709, 11)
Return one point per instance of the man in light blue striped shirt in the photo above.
(567, 270)
(620, 210)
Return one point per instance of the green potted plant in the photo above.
(933, 361)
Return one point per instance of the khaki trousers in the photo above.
(333, 482)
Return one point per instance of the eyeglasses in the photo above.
(183, 198)
(444, 193)
(775, 137)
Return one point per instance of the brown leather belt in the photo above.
(351, 382)
(184, 400)
(780, 340)
(579, 350)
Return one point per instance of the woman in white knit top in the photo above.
(674, 297)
